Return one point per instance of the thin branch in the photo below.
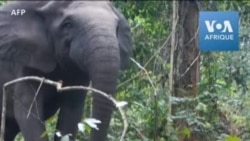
(3, 115)
(175, 19)
(149, 79)
(149, 60)
(195, 35)
(58, 85)
(128, 80)
(34, 99)
(154, 89)
(193, 62)
(172, 73)
(31, 114)
(4, 101)
(125, 123)
(59, 88)
(143, 138)
(159, 50)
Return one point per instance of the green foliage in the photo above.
(149, 29)
(2, 2)
(233, 138)
(220, 112)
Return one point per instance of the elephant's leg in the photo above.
(32, 127)
(71, 111)
(11, 129)
(102, 110)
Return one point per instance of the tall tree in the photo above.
(185, 62)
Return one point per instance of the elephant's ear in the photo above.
(124, 38)
(24, 39)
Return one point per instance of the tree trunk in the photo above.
(186, 62)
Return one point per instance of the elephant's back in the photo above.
(9, 5)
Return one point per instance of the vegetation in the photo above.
(220, 109)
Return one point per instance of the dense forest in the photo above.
(174, 91)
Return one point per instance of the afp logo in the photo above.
(218, 31)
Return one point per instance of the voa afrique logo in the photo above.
(223, 28)
(218, 31)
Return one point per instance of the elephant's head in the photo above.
(87, 31)
(71, 30)
(90, 35)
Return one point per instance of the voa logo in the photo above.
(219, 30)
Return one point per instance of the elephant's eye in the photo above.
(66, 25)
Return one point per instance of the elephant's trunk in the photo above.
(103, 67)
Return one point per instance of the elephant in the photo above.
(75, 42)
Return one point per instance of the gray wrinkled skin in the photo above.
(73, 41)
